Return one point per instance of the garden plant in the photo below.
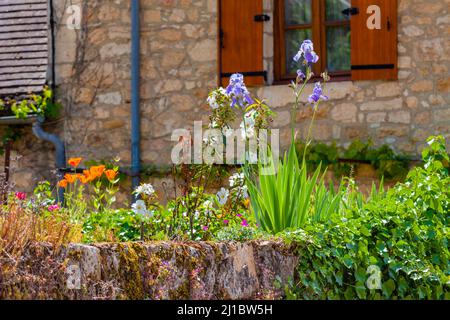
(390, 244)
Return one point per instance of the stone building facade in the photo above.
(179, 66)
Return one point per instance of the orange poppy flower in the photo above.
(75, 162)
(71, 178)
(83, 179)
(111, 174)
(97, 171)
(63, 183)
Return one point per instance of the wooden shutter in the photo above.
(23, 46)
(374, 52)
(241, 40)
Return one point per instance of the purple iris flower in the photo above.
(300, 74)
(317, 94)
(307, 51)
(238, 91)
(311, 57)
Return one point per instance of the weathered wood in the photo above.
(23, 14)
(24, 7)
(19, 90)
(22, 42)
(26, 34)
(29, 62)
(26, 48)
(19, 21)
(23, 46)
(11, 70)
(27, 75)
(23, 27)
(14, 2)
(23, 55)
(21, 82)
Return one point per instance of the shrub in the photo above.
(394, 246)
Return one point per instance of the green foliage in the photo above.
(388, 164)
(41, 105)
(117, 225)
(285, 197)
(239, 234)
(10, 134)
(198, 216)
(399, 237)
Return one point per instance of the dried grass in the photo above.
(20, 228)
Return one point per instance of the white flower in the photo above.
(222, 196)
(139, 207)
(212, 99)
(208, 204)
(213, 125)
(236, 179)
(145, 189)
(243, 192)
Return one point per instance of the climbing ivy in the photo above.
(394, 246)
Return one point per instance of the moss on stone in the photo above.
(130, 271)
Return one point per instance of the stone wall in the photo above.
(179, 67)
(151, 271)
(400, 113)
(178, 55)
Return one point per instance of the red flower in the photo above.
(21, 196)
(53, 208)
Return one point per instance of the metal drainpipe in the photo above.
(135, 97)
(60, 151)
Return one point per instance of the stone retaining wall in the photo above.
(162, 270)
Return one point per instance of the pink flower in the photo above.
(239, 215)
(21, 196)
(53, 208)
(205, 228)
(244, 223)
(226, 222)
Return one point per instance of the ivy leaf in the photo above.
(360, 275)
(388, 288)
(361, 290)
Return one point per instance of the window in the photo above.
(323, 22)
(369, 54)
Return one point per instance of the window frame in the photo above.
(318, 27)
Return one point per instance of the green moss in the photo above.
(130, 256)
(182, 292)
